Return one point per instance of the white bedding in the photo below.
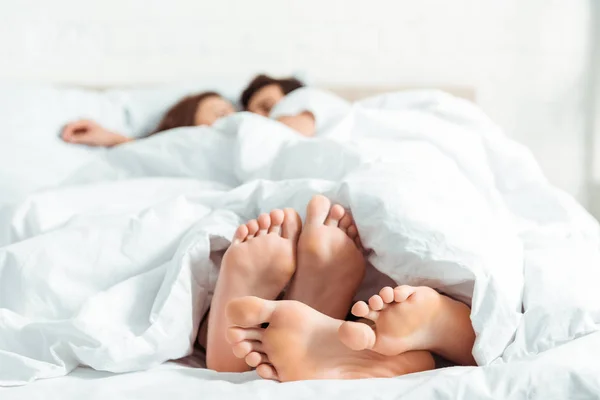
(566, 372)
(114, 269)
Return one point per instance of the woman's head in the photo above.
(195, 110)
(264, 92)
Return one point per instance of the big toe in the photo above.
(356, 335)
(317, 209)
(249, 311)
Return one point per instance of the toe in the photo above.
(249, 311)
(254, 359)
(317, 210)
(242, 349)
(362, 310)
(266, 371)
(346, 222)
(387, 294)
(376, 303)
(240, 234)
(358, 243)
(335, 215)
(357, 336)
(277, 217)
(402, 293)
(264, 222)
(352, 232)
(236, 334)
(292, 225)
(252, 226)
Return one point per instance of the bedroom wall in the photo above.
(529, 61)
(594, 114)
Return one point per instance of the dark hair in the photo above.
(287, 85)
(183, 113)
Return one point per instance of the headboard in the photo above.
(358, 92)
(353, 93)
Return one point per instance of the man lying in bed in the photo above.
(204, 109)
(320, 265)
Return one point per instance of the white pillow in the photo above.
(145, 107)
(327, 108)
(32, 155)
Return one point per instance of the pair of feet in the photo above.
(322, 264)
(319, 264)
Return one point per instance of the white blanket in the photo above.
(115, 268)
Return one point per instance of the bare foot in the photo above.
(412, 318)
(301, 343)
(260, 262)
(331, 265)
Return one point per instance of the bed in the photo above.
(562, 364)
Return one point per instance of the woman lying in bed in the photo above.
(203, 109)
(321, 265)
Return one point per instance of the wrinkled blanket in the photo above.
(114, 268)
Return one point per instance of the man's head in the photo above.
(263, 92)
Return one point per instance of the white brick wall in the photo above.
(529, 60)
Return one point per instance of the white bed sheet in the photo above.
(570, 371)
